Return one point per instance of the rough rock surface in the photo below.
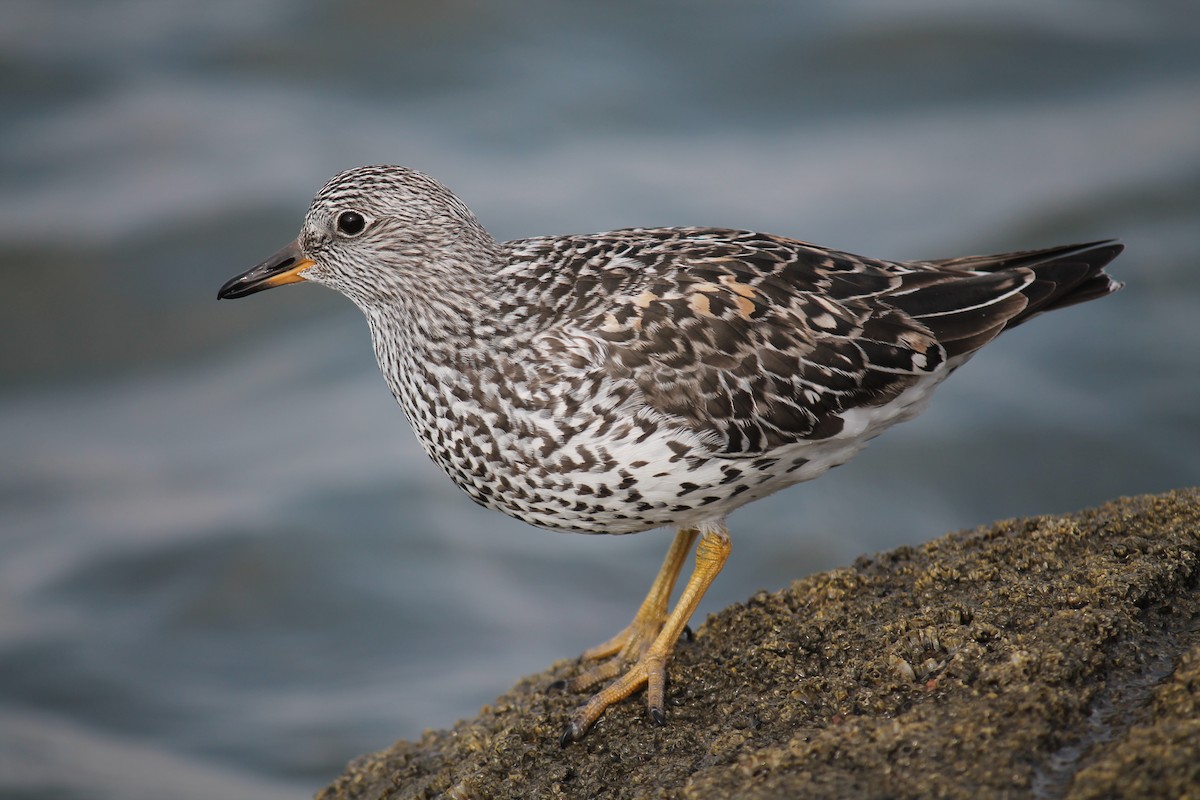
(1041, 657)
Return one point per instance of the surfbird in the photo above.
(622, 381)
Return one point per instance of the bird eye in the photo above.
(351, 223)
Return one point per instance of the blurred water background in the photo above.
(225, 566)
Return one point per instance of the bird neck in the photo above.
(444, 294)
(431, 332)
(424, 355)
(436, 320)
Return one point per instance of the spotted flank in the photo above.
(621, 381)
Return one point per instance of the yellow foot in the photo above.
(649, 672)
(637, 667)
(646, 644)
(628, 646)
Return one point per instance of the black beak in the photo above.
(283, 267)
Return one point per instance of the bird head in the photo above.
(377, 234)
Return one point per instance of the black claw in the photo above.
(571, 734)
(688, 635)
(657, 716)
(558, 685)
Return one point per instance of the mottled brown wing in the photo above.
(757, 342)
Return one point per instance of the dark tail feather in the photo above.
(1073, 277)
(973, 299)
(1098, 253)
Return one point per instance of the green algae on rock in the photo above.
(1044, 657)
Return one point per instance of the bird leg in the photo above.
(637, 636)
(649, 639)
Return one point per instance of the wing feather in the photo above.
(758, 341)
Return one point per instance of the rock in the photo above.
(1043, 657)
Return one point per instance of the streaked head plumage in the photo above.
(373, 229)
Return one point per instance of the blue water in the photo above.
(225, 566)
